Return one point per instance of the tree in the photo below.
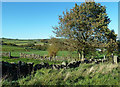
(118, 42)
(54, 47)
(112, 43)
(84, 27)
(52, 50)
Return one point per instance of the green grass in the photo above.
(22, 42)
(85, 74)
(12, 48)
(26, 60)
(17, 42)
(15, 51)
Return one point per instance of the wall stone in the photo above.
(23, 55)
(35, 56)
(6, 54)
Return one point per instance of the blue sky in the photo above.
(34, 20)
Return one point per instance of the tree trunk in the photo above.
(104, 56)
(82, 53)
(79, 56)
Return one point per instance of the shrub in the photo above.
(53, 50)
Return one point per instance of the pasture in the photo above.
(15, 51)
(84, 74)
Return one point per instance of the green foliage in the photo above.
(85, 28)
(52, 50)
(10, 48)
(118, 42)
(44, 40)
(20, 42)
(29, 45)
(40, 47)
(54, 47)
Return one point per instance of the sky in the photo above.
(34, 20)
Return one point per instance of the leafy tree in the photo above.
(85, 27)
(52, 50)
(112, 43)
(118, 42)
(54, 47)
(119, 45)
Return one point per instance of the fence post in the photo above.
(115, 60)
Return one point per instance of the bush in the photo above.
(28, 45)
(40, 47)
(11, 44)
(53, 50)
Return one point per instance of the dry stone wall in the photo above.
(35, 56)
(116, 59)
(20, 69)
(5, 54)
(23, 55)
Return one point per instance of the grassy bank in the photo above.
(85, 74)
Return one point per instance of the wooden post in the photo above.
(115, 59)
(79, 56)
(9, 54)
(104, 56)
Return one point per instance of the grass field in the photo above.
(22, 42)
(15, 51)
(27, 60)
(85, 74)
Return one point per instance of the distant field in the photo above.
(22, 42)
(12, 48)
(15, 51)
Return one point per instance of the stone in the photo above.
(6, 54)
(23, 63)
(96, 62)
(86, 61)
(72, 62)
(54, 67)
(42, 63)
(41, 56)
(30, 63)
(46, 65)
(64, 63)
(91, 60)
(19, 62)
(38, 66)
(58, 66)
